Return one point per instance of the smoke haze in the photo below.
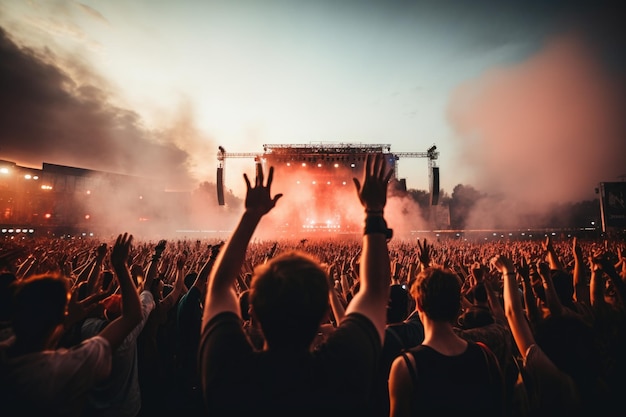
(546, 130)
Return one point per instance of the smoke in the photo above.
(60, 112)
(51, 115)
(544, 131)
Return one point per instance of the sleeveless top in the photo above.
(470, 383)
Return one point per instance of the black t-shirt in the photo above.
(334, 379)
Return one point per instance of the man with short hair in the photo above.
(289, 299)
(36, 378)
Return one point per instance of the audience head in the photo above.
(564, 287)
(189, 279)
(398, 307)
(39, 306)
(437, 293)
(289, 299)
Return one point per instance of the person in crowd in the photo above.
(119, 394)
(152, 349)
(289, 298)
(445, 374)
(188, 324)
(38, 379)
(559, 366)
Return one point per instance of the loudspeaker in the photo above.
(434, 187)
(220, 186)
(402, 185)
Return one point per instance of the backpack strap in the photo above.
(409, 365)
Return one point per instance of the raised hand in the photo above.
(576, 250)
(258, 199)
(160, 247)
(121, 250)
(503, 264)
(423, 252)
(523, 268)
(373, 191)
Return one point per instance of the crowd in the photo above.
(372, 326)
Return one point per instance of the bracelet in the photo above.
(377, 224)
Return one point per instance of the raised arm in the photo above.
(553, 258)
(221, 295)
(96, 268)
(336, 305)
(530, 300)
(581, 290)
(131, 316)
(375, 269)
(152, 269)
(520, 328)
(552, 299)
(170, 300)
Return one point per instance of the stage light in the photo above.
(336, 165)
(31, 230)
(4, 230)
(10, 230)
(304, 164)
(319, 165)
(4, 170)
(36, 177)
(288, 164)
(314, 182)
(28, 176)
(344, 183)
(352, 165)
(87, 216)
(328, 182)
(88, 191)
(47, 215)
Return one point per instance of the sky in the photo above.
(524, 100)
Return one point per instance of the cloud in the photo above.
(53, 115)
(93, 13)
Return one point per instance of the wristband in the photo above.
(377, 224)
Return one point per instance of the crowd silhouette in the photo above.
(341, 326)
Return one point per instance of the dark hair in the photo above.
(564, 287)
(289, 298)
(437, 292)
(39, 304)
(398, 306)
(190, 279)
(478, 293)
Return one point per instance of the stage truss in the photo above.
(318, 170)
